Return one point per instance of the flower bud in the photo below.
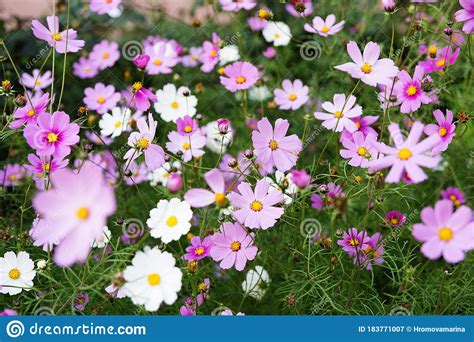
(223, 125)
(232, 163)
(248, 154)
(20, 100)
(141, 61)
(175, 182)
(301, 178)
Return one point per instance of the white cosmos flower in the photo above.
(172, 104)
(114, 124)
(256, 282)
(277, 32)
(259, 93)
(103, 238)
(152, 278)
(16, 273)
(228, 54)
(170, 220)
(214, 138)
(285, 184)
(162, 174)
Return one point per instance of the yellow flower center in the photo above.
(202, 287)
(404, 154)
(105, 55)
(213, 53)
(412, 90)
(188, 129)
(256, 205)
(174, 105)
(57, 36)
(137, 86)
(38, 83)
(276, 35)
(292, 97)
(101, 100)
(445, 234)
(443, 131)
(338, 114)
(186, 146)
(432, 50)
(273, 145)
(441, 63)
(235, 246)
(221, 71)
(12, 178)
(240, 79)
(263, 14)
(366, 68)
(325, 29)
(172, 221)
(354, 242)
(361, 151)
(199, 251)
(14, 274)
(118, 124)
(157, 62)
(154, 279)
(143, 143)
(30, 113)
(394, 221)
(52, 137)
(220, 199)
(457, 203)
(82, 213)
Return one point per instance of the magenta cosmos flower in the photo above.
(163, 58)
(209, 56)
(239, 75)
(36, 80)
(233, 246)
(444, 232)
(104, 6)
(235, 6)
(41, 167)
(455, 195)
(325, 27)
(28, 114)
(291, 8)
(409, 91)
(444, 128)
(53, 135)
(101, 98)
(186, 125)
(273, 148)
(467, 15)
(292, 96)
(360, 149)
(341, 113)
(199, 198)
(372, 254)
(84, 68)
(395, 219)
(55, 38)
(105, 54)
(368, 67)
(76, 209)
(407, 155)
(444, 58)
(256, 209)
(139, 97)
(12, 175)
(189, 146)
(354, 242)
(363, 125)
(141, 61)
(141, 142)
(198, 249)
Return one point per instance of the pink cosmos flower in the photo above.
(41, 167)
(363, 125)
(8, 312)
(36, 80)
(163, 58)
(360, 149)
(256, 23)
(186, 126)
(368, 67)
(269, 53)
(239, 75)
(141, 142)
(407, 154)
(53, 135)
(209, 56)
(372, 253)
(104, 6)
(326, 27)
(199, 198)
(455, 195)
(101, 98)
(256, 209)
(291, 8)
(334, 193)
(233, 246)
(105, 54)
(467, 15)
(199, 249)
(236, 6)
(76, 209)
(444, 58)
(139, 173)
(192, 58)
(444, 232)
(300, 178)
(409, 91)
(189, 146)
(292, 96)
(54, 37)
(273, 148)
(84, 68)
(138, 97)
(12, 175)
(395, 219)
(354, 242)
(445, 129)
(27, 115)
(342, 111)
